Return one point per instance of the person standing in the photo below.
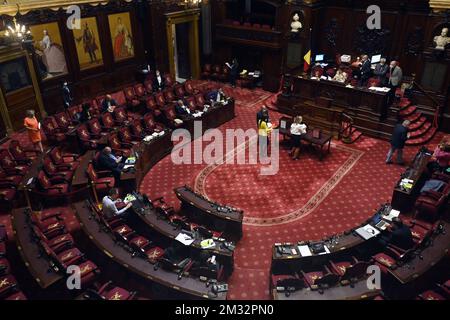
(67, 95)
(234, 69)
(261, 113)
(399, 137)
(159, 83)
(34, 129)
(298, 128)
(365, 70)
(381, 70)
(264, 129)
(395, 79)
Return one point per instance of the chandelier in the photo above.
(17, 32)
(191, 3)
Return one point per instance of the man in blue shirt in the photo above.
(399, 137)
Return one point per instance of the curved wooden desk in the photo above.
(187, 287)
(207, 212)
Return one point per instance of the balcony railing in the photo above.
(249, 35)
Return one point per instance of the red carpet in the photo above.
(306, 200)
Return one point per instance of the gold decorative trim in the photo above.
(439, 5)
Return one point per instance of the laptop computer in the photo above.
(367, 232)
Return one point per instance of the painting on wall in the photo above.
(88, 46)
(121, 35)
(51, 60)
(14, 75)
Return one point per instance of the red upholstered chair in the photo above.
(102, 180)
(169, 95)
(121, 116)
(320, 279)
(168, 79)
(331, 72)
(119, 147)
(73, 112)
(7, 194)
(207, 71)
(160, 99)
(266, 27)
(429, 204)
(151, 125)
(190, 101)
(137, 129)
(58, 243)
(108, 121)
(11, 166)
(216, 72)
(95, 108)
(96, 129)
(152, 106)
(236, 23)
(131, 97)
(373, 82)
(349, 271)
(285, 281)
(179, 91)
(52, 226)
(54, 172)
(110, 292)
(55, 186)
(170, 116)
(20, 154)
(148, 87)
(189, 88)
(200, 101)
(8, 285)
(317, 69)
(120, 98)
(63, 120)
(247, 24)
(9, 179)
(126, 136)
(51, 130)
(64, 160)
(85, 138)
(139, 90)
(256, 25)
(431, 295)
(5, 267)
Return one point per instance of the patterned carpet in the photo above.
(307, 199)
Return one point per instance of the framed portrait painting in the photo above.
(14, 75)
(121, 35)
(87, 42)
(51, 61)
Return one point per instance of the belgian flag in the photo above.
(307, 61)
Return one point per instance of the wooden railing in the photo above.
(431, 98)
(346, 130)
(249, 35)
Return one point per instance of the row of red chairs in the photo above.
(318, 71)
(58, 246)
(441, 292)
(215, 72)
(9, 289)
(430, 204)
(249, 25)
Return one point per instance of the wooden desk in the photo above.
(29, 250)
(33, 172)
(165, 229)
(358, 292)
(206, 212)
(80, 178)
(188, 287)
(403, 200)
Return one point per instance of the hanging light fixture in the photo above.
(17, 32)
(192, 3)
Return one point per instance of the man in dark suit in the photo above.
(108, 161)
(395, 80)
(67, 95)
(108, 104)
(234, 70)
(400, 236)
(381, 71)
(365, 70)
(181, 109)
(399, 137)
(159, 83)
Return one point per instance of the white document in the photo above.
(184, 239)
(304, 251)
(127, 166)
(392, 214)
(367, 232)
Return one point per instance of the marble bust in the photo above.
(442, 40)
(296, 25)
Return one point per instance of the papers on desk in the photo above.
(367, 232)
(197, 114)
(380, 89)
(392, 214)
(129, 198)
(30, 181)
(128, 166)
(184, 239)
(207, 243)
(130, 160)
(406, 184)
(306, 252)
(349, 86)
(153, 136)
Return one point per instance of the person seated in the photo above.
(182, 110)
(442, 156)
(108, 161)
(316, 75)
(109, 207)
(298, 128)
(159, 83)
(108, 104)
(85, 115)
(340, 76)
(216, 96)
(400, 236)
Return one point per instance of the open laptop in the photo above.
(367, 232)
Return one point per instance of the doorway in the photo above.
(183, 44)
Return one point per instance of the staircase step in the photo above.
(421, 131)
(407, 111)
(403, 103)
(413, 117)
(423, 139)
(417, 124)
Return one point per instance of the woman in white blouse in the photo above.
(298, 128)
